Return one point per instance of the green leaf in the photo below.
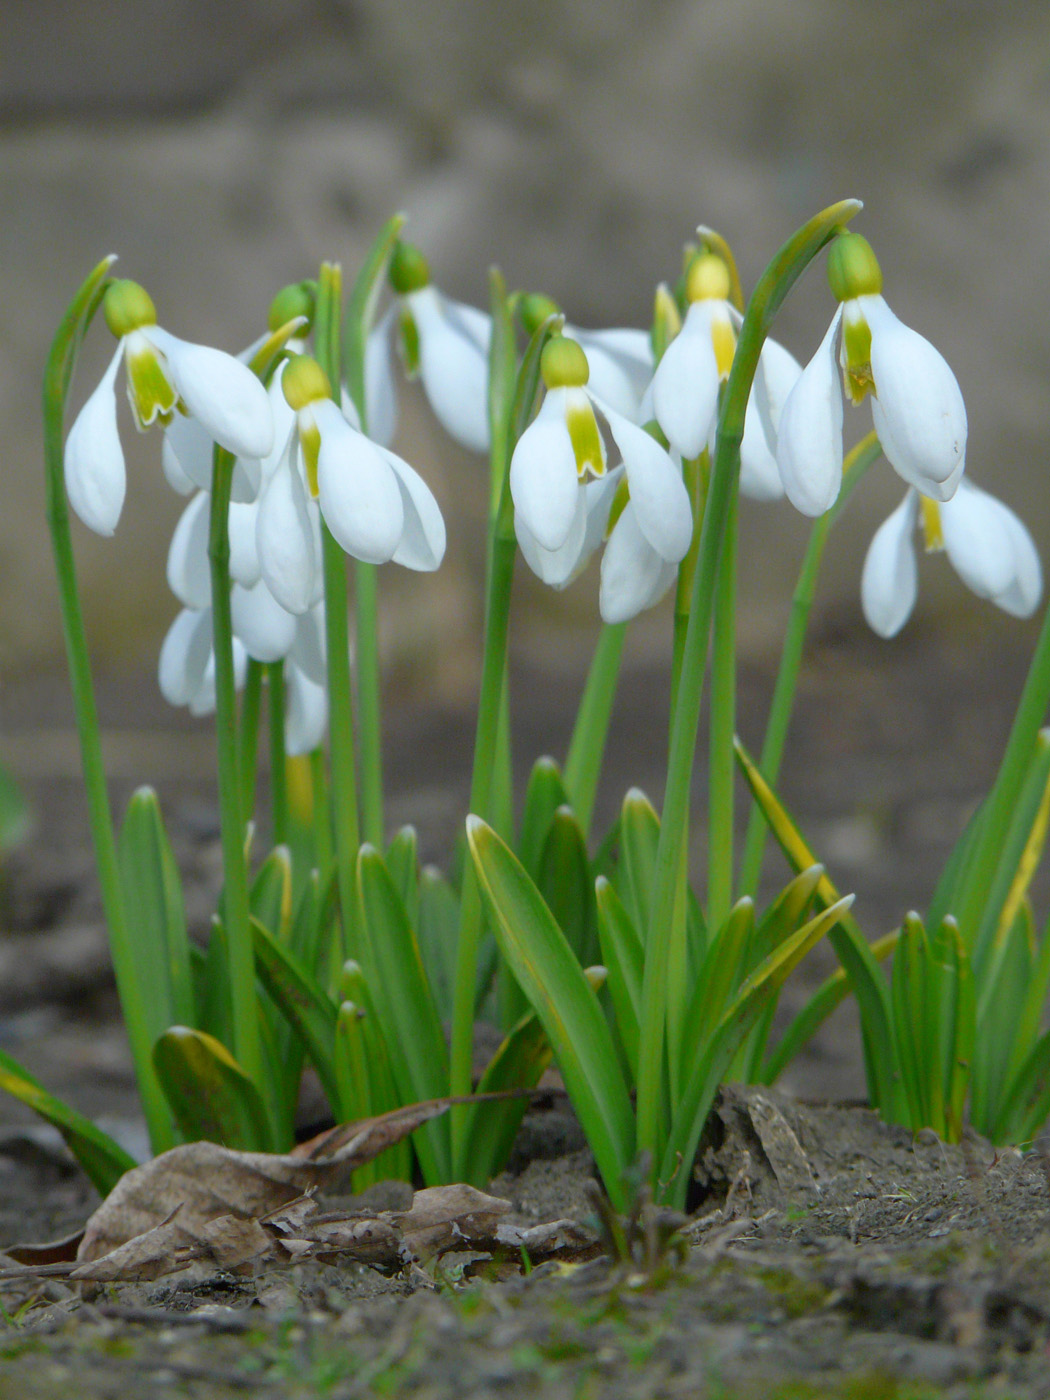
(554, 983)
(308, 1007)
(850, 945)
(564, 881)
(544, 795)
(639, 838)
(402, 861)
(1025, 1104)
(210, 1095)
(719, 1048)
(104, 1160)
(270, 899)
(411, 1025)
(437, 931)
(912, 1033)
(829, 995)
(152, 891)
(624, 958)
(313, 928)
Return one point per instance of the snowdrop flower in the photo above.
(377, 507)
(446, 344)
(165, 376)
(555, 512)
(620, 358)
(696, 363)
(916, 403)
(987, 545)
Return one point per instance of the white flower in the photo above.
(375, 504)
(685, 387)
(557, 515)
(917, 406)
(453, 350)
(987, 545)
(165, 376)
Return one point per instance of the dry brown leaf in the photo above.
(164, 1249)
(449, 1217)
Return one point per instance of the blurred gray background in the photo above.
(222, 149)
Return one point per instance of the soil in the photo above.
(828, 1254)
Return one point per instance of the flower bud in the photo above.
(127, 306)
(304, 382)
(533, 309)
(707, 279)
(297, 299)
(563, 364)
(408, 270)
(853, 269)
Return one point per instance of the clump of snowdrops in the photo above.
(648, 983)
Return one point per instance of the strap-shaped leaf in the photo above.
(270, 898)
(554, 983)
(1025, 1105)
(639, 838)
(308, 1007)
(437, 930)
(850, 945)
(400, 992)
(104, 1160)
(402, 861)
(210, 1095)
(624, 957)
(719, 1048)
(544, 794)
(564, 880)
(149, 878)
(920, 1067)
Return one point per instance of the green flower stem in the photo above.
(341, 739)
(721, 760)
(497, 617)
(501, 796)
(247, 1046)
(857, 462)
(369, 706)
(278, 773)
(319, 804)
(344, 790)
(58, 375)
(776, 282)
(251, 705)
(583, 763)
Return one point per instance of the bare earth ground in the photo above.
(830, 1255)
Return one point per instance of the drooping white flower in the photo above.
(558, 515)
(987, 545)
(917, 406)
(696, 363)
(375, 504)
(166, 376)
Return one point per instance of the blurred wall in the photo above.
(222, 149)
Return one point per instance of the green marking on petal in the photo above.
(310, 444)
(585, 437)
(932, 526)
(409, 342)
(723, 339)
(621, 496)
(856, 355)
(150, 392)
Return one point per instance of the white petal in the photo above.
(184, 655)
(176, 478)
(187, 444)
(889, 582)
(284, 538)
(991, 550)
(422, 543)
(244, 556)
(265, 629)
(94, 460)
(920, 399)
(556, 567)
(189, 576)
(658, 493)
(380, 386)
(359, 494)
(203, 703)
(621, 364)
(778, 373)
(308, 649)
(453, 364)
(306, 713)
(543, 480)
(685, 385)
(222, 394)
(634, 576)
(809, 440)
